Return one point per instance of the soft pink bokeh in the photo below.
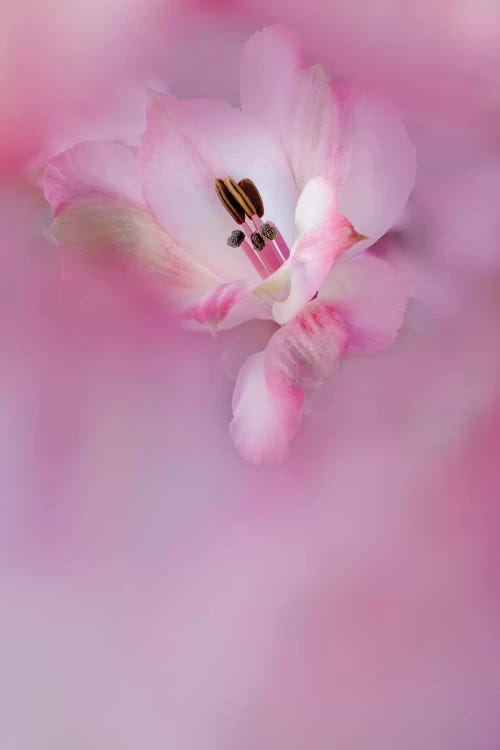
(157, 591)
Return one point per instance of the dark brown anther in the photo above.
(268, 231)
(236, 238)
(232, 206)
(257, 241)
(240, 197)
(251, 192)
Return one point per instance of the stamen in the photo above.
(230, 204)
(281, 245)
(236, 238)
(241, 198)
(258, 241)
(268, 231)
(261, 241)
(270, 254)
(255, 259)
(250, 190)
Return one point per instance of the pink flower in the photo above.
(291, 182)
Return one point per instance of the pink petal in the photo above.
(265, 417)
(310, 133)
(371, 296)
(104, 228)
(271, 60)
(293, 100)
(270, 389)
(326, 234)
(346, 135)
(93, 169)
(187, 145)
(375, 164)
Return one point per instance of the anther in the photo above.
(236, 238)
(258, 241)
(250, 190)
(268, 231)
(232, 206)
(241, 198)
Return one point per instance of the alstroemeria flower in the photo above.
(248, 213)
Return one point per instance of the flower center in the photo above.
(261, 241)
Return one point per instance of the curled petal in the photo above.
(317, 206)
(326, 234)
(93, 169)
(371, 296)
(271, 386)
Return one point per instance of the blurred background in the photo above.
(158, 592)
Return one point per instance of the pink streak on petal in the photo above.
(213, 308)
(304, 352)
